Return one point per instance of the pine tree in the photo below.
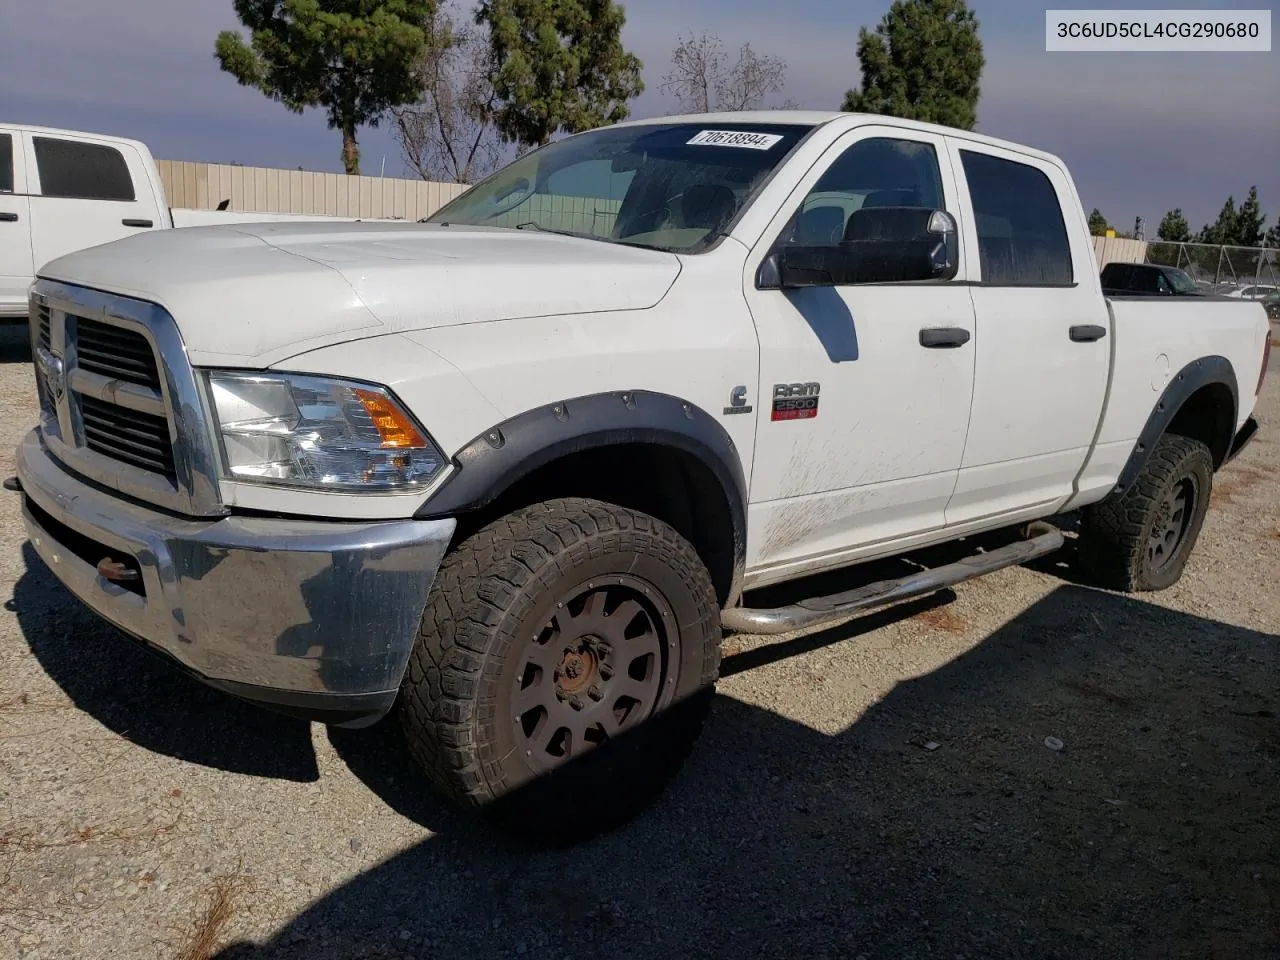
(923, 62)
(559, 66)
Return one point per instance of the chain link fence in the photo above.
(1249, 272)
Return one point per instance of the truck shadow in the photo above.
(136, 694)
(1096, 779)
(15, 341)
(830, 319)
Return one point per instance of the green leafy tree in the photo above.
(1174, 227)
(559, 66)
(923, 62)
(1272, 239)
(1098, 225)
(353, 58)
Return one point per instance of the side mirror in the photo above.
(880, 245)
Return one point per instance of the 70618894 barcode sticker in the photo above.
(734, 138)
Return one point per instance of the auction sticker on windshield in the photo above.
(735, 138)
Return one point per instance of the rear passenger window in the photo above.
(85, 171)
(6, 163)
(1022, 238)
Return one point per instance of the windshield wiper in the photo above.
(559, 233)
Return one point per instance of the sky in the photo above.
(1141, 132)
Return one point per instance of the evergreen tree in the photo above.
(923, 62)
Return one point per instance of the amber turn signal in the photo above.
(394, 427)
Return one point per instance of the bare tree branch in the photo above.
(750, 80)
(448, 135)
(697, 63)
(702, 80)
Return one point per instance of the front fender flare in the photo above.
(500, 457)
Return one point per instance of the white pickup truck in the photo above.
(514, 471)
(65, 190)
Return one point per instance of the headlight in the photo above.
(318, 432)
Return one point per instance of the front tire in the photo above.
(566, 662)
(1141, 540)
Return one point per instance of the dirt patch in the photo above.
(1094, 690)
(1236, 480)
(942, 619)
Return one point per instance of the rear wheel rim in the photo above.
(1169, 532)
(601, 663)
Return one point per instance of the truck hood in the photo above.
(256, 294)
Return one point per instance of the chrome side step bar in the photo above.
(1042, 539)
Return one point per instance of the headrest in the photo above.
(820, 225)
(708, 206)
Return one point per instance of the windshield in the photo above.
(1181, 282)
(674, 186)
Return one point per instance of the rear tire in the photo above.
(564, 667)
(1141, 539)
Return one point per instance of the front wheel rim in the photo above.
(601, 663)
(1169, 532)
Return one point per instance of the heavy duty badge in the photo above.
(738, 402)
(795, 401)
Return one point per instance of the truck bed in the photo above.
(1152, 340)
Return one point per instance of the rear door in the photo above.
(84, 193)
(15, 227)
(1043, 347)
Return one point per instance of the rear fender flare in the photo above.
(1194, 376)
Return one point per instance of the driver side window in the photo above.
(877, 172)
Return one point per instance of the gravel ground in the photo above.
(883, 789)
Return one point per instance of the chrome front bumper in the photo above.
(315, 618)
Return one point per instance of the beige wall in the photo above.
(1118, 250)
(202, 186)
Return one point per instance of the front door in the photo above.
(861, 427)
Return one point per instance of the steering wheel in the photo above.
(664, 211)
(522, 190)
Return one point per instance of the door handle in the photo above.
(943, 337)
(9, 217)
(1087, 333)
(129, 222)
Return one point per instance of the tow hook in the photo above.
(115, 571)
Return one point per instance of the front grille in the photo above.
(108, 429)
(42, 322)
(115, 352)
(136, 438)
(120, 403)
